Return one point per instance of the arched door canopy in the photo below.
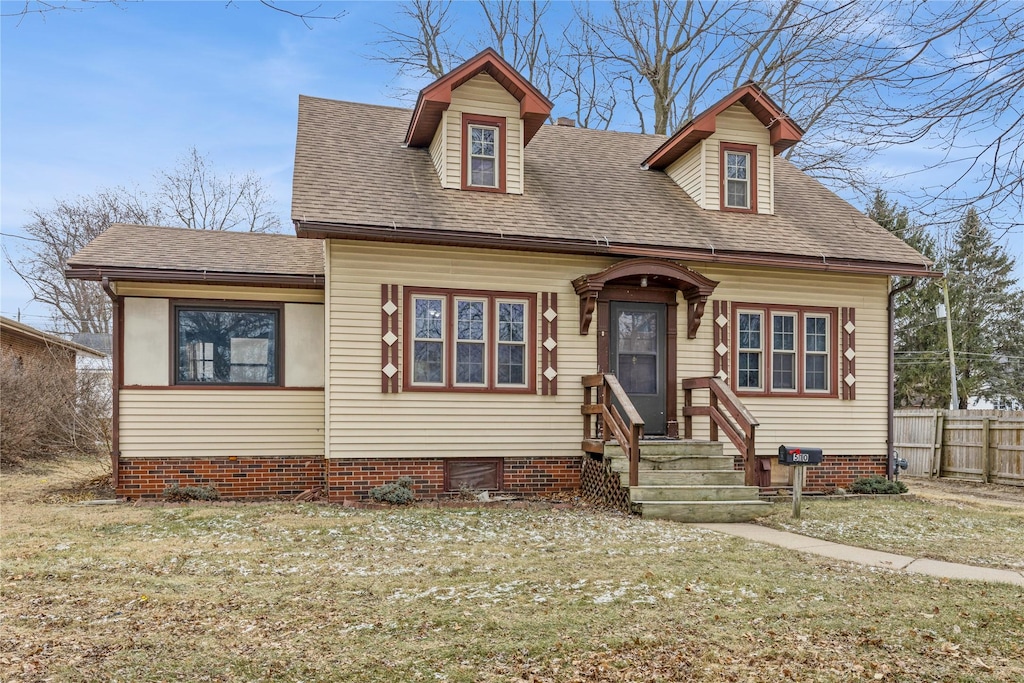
(645, 272)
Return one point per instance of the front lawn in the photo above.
(315, 592)
(982, 534)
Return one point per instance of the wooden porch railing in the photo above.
(610, 422)
(725, 410)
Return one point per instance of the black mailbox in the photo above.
(799, 456)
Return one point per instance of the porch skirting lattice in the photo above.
(601, 486)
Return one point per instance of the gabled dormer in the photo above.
(476, 121)
(724, 158)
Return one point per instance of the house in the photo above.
(476, 298)
(21, 343)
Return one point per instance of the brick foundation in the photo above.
(839, 471)
(352, 479)
(242, 477)
(269, 477)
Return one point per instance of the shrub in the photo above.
(397, 492)
(181, 494)
(877, 484)
(48, 409)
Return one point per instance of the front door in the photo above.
(637, 358)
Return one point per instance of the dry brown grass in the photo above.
(936, 522)
(312, 592)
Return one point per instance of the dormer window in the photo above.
(739, 177)
(483, 144)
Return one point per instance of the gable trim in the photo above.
(434, 100)
(783, 131)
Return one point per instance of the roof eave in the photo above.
(456, 238)
(119, 274)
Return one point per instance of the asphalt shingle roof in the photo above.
(580, 184)
(181, 249)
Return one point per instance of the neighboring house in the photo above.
(22, 343)
(462, 269)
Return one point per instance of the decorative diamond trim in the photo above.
(850, 353)
(389, 370)
(850, 380)
(550, 314)
(721, 349)
(389, 338)
(850, 327)
(722, 320)
(550, 343)
(722, 375)
(390, 308)
(550, 374)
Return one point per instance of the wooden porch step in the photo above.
(619, 463)
(702, 477)
(655, 494)
(706, 511)
(667, 448)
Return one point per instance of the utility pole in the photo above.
(947, 313)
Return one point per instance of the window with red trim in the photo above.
(483, 153)
(460, 340)
(739, 177)
(781, 350)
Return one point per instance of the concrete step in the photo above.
(619, 463)
(670, 447)
(706, 511)
(685, 478)
(644, 494)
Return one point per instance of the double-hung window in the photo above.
(739, 177)
(466, 341)
(782, 350)
(219, 345)
(483, 143)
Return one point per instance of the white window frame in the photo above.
(474, 342)
(432, 340)
(746, 181)
(524, 344)
(826, 354)
(470, 156)
(751, 350)
(793, 353)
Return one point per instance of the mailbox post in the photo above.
(799, 458)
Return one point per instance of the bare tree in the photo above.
(423, 48)
(198, 198)
(44, 7)
(57, 233)
(191, 195)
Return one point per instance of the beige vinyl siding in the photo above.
(484, 95)
(210, 422)
(182, 291)
(363, 422)
(856, 427)
(147, 342)
(687, 173)
(737, 124)
(438, 147)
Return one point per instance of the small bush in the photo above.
(181, 494)
(877, 484)
(397, 492)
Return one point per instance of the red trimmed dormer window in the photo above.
(739, 177)
(483, 145)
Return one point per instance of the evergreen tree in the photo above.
(919, 343)
(987, 309)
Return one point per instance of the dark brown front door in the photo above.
(637, 354)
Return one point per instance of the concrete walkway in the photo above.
(871, 558)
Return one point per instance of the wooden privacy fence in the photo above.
(980, 445)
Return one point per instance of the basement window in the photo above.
(473, 475)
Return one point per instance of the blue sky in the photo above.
(110, 95)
